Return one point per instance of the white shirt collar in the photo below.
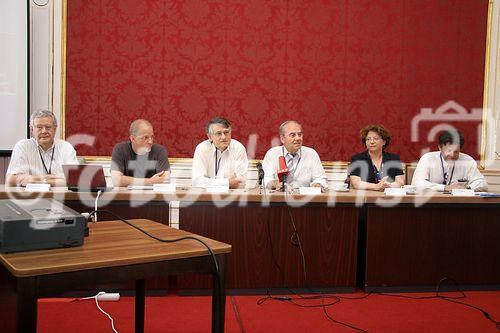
(213, 148)
(40, 147)
(286, 152)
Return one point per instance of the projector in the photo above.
(35, 224)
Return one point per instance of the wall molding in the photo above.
(47, 58)
(490, 146)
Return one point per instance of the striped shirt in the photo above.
(305, 168)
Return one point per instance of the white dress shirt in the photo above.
(231, 162)
(432, 171)
(305, 168)
(27, 158)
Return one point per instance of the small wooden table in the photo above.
(113, 253)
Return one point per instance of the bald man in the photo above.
(303, 163)
(139, 161)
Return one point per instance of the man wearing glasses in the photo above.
(40, 159)
(219, 160)
(139, 161)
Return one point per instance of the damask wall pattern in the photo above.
(335, 66)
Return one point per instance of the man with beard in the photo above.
(40, 159)
(139, 161)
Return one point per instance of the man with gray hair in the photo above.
(219, 160)
(139, 161)
(303, 163)
(40, 159)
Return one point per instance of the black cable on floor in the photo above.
(295, 240)
(237, 314)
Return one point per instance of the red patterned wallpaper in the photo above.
(333, 65)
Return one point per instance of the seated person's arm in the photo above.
(199, 172)
(319, 178)
(359, 170)
(119, 180)
(270, 180)
(476, 180)
(241, 169)
(359, 184)
(22, 179)
(421, 176)
(399, 181)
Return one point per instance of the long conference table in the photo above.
(355, 239)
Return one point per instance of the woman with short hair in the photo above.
(375, 169)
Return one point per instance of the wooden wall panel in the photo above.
(409, 246)
(329, 239)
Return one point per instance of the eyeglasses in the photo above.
(41, 127)
(146, 137)
(219, 134)
(375, 138)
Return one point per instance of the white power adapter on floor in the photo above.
(103, 296)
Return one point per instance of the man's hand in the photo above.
(275, 185)
(54, 180)
(234, 182)
(23, 180)
(448, 188)
(160, 177)
(323, 190)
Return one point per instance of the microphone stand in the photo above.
(261, 183)
(283, 181)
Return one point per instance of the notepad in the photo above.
(395, 191)
(217, 189)
(37, 187)
(309, 190)
(140, 187)
(462, 192)
(164, 188)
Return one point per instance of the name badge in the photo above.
(462, 192)
(164, 188)
(395, 191)
(37, 187)
(217, 189)
(309, 190)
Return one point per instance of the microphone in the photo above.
(260, 171)
(282, 171)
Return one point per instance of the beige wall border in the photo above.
(490, 141)
(47, 60)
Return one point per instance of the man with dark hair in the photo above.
(40, 159)
(219, 160)
(448, 168)
(139, 161)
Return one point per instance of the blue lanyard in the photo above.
(376, 172)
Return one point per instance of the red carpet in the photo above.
(192, 314)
